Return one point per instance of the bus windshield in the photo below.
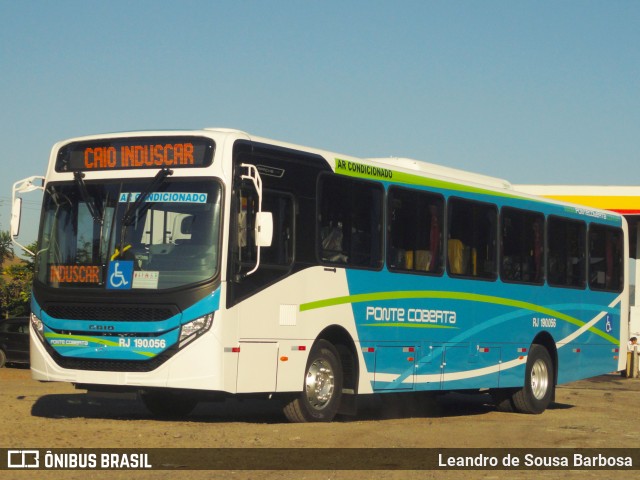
(109, 235)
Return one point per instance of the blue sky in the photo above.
(531, 91)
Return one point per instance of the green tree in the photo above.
(15, 289)
(6, 247)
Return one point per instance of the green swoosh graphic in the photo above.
(408, 325)
(463, 296)
(101, 341)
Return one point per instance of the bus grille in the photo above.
(113, 313)
(111, 365)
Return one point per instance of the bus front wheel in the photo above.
(539, 383)
(322, 389)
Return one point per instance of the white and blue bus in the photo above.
(195, 265)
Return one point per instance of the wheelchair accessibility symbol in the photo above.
(120, 275)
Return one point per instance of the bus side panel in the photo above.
(582, 361)
(479, 368)
(257, 367)
(394, 368)
(448, 367)
(476, 339)
(277, 315)
(512, 376)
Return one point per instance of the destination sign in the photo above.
(78, 274)
(138, 152)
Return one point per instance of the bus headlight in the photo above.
(38, 326)
(192, 330)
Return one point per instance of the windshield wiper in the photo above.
(91, 203)
(130, 213)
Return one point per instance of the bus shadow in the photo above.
(560, 406)
(82, 405)
(397, 406)
(118, 407)
(375, 407)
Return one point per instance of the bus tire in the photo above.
(539, 383)
(322, 388)
(168, 404)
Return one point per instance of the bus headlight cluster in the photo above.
(38, 326)
(192, 330)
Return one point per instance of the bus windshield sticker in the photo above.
(120, 275)
(146, 279)
(165, 197)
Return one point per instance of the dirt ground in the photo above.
(596, 413)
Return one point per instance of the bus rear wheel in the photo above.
(322, 388)
(539, 383)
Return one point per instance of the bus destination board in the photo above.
(136, 153)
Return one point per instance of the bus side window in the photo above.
(605, 258)
(566, 252)
(281, 206)
(350, 222)
(415, 236)
(522, 249)
(472, 246)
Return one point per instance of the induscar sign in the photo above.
(167, 155)
(136, 152)
(83, 274)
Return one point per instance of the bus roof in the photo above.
(443, 171)
(621, 199)
(584, 195)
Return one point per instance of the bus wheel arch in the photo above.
(319, 399)
(541, 375)
(541, 370)
(331, 370)
(346, 347)
(546, 340)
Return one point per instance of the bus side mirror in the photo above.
(16, 212)
(22, 186)
(264, 229)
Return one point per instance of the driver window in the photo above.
(281, 206)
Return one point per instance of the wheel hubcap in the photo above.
(539, 379)
(320, 384)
